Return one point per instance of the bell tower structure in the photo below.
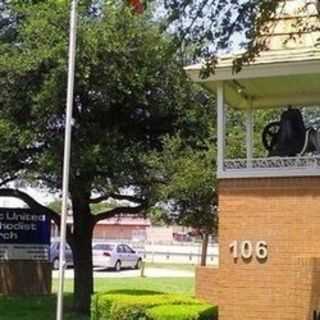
(269, 205)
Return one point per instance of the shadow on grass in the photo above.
(137, 292)
(35, 308)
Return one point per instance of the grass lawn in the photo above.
(44, 308)
(33, 308)
(181, 285)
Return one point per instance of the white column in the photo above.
(249, 136)
(220, 129)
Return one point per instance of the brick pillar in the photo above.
(285, 213)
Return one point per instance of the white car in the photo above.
(116, 256)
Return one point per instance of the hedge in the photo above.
(148, 305)
(182, 312)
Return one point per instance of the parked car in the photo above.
(54, 255)
(180, 236)
(116, 256)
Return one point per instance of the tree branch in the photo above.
(116, 197)
(126, 197)
(5, 181)
(116, 211)
(99, 199)
(32, 203)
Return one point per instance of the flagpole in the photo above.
(67, 151)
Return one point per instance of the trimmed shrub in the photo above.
(136, 304)
(123, 304)
(182, 312)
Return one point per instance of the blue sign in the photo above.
(24, 234)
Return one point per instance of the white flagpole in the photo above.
(67, 151)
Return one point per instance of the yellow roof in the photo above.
(287, 73)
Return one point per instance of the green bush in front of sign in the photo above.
(148, 305)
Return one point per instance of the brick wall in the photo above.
(284, 212)
(207, 284)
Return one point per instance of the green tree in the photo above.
(187, 167)
(129, 93)
(15, 150)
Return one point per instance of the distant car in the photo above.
(116, 256)
(179, 236)
(54, 255)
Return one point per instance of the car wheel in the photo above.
(117, 266)
(55, 264)
(139, 264)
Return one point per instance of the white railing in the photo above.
(273, 166)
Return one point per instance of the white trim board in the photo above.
(257, 71)
(269, 173)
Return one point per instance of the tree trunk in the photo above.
(82, 254)
(204, 250)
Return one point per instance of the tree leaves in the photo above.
(130, 91)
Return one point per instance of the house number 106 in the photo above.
(246, 249)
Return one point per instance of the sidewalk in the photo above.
(149, 272)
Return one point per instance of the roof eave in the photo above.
(256, 70)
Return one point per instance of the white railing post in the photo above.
(249, 137)
(220, 128)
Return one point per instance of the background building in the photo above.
(124, 227)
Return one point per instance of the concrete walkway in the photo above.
(149, 272)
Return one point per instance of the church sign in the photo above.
(24, 235)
